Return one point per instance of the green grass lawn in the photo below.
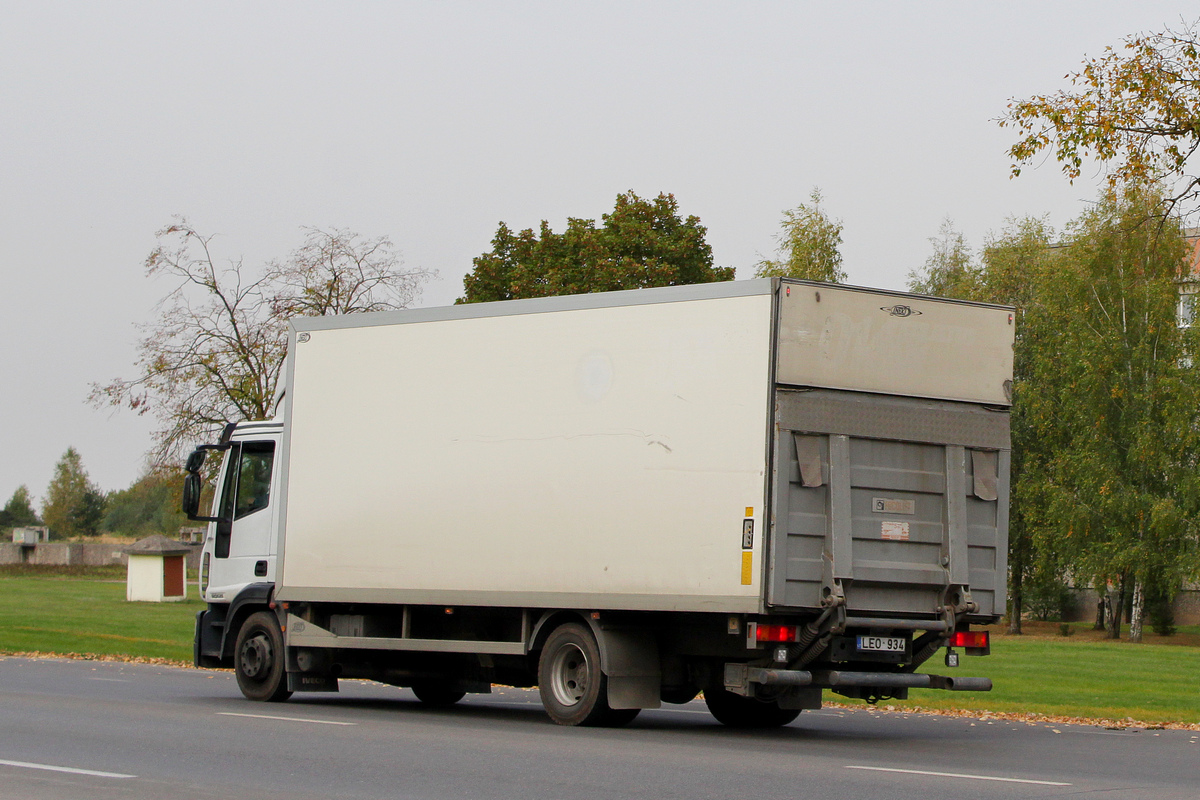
(1061, 676)
(55, 611)
(69, 610)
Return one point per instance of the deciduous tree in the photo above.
(1121, 397)
(950, 271)
(215, 353)
(1135, 109)
(1012, 264)
(809, 242)
(642, 243)
(150, 505)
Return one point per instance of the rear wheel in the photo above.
(574, 690)
(735, 711)
(258, 659)
(437, 694)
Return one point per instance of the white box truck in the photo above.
(759, 490)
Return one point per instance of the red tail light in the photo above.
(973, 639)
(776, 633)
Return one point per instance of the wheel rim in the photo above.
(570, 674)
(256, 657)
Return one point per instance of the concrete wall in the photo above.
(1186, 607)
(90, 554)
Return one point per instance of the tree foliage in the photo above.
(215, 353)
(1012, 265)
(808, 245)
(642, 243)
(150, 505)
(18, 512)
(74, 506)
(1119, 392)
(950, 271)
(1106, 400)
(1135, 109)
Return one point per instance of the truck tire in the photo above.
(573, 688)
(735, 711)
(437, 694)
(258, 659)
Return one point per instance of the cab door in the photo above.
(243, 551)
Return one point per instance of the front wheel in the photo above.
(573, 688)
(258, 659)
(735, 711)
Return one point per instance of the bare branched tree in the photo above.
(215, 353)
(340, 272)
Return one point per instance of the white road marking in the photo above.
(114, 680)
(285, 719)
(959, 775)
(72, 770)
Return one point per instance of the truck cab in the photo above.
(238, 562)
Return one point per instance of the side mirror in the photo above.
(196, 460)
(193, 483)
(191, 490)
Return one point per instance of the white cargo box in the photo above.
(596, 451)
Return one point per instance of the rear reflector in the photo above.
(776, 633)
(973, 639)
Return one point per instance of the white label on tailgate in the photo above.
(895, 531)
(891, 505)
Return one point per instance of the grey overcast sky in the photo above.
(432, 122)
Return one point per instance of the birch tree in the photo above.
(950, 270)
(809, 243)
(1013, 264)
(1120, 397)
(1010, 268)
(1135, 110)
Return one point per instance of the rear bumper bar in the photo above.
(740, 675)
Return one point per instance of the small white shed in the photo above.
(157, 570)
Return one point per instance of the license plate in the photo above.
(883, 644)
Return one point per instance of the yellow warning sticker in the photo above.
(749, 511)
(747, 565)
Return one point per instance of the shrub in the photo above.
(1162, 614)
(1049, 601)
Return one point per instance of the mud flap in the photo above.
(630, 661)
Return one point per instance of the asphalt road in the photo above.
(71, 730)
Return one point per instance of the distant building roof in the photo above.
(157, 545)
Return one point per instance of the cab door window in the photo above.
(254, 478)
(247, 488)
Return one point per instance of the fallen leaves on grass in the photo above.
(162, 662)
(1028, 718)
